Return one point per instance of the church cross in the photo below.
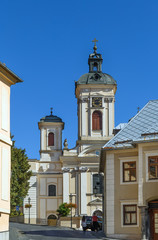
(95, 40)
(51, 111)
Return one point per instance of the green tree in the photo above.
(63, 210)
(20, 176)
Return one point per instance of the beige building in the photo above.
(7, 78)
(129, 162)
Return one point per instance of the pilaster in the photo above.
(83, 193)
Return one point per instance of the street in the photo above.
(20, 231)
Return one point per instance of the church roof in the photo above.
(95, 75)
(51, 118)
(96, 78)
(141, 128)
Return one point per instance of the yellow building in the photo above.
(129, 162)
(7, 78)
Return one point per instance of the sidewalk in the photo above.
(15, 234)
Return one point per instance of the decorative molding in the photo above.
(65, 170)
(4, 210)
(108, 100)
(83, 100)
(5, 139)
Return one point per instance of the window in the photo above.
(95, 67)
(129, 171)
(98, 183)
(153, 167)
(52, 190)
(51, 139)
(129, 214)
(97, 120)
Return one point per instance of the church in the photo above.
(71, 175)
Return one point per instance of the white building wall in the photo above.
(5, 109)
(66, 187)
(84, 120)
(110, 119)
(83, 193)
(5, 186)
(110, 194)
(32, 193)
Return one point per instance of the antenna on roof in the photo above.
(138, 109)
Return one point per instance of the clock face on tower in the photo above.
(96, 102)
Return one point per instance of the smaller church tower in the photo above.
(51, 137)
(46, 185)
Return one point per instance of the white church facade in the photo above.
(61, 173)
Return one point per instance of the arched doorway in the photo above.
(153, 216)
(98, 213)
(52, 220)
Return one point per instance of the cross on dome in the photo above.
(95, 47)
(95, 40)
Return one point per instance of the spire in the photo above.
(51, 111)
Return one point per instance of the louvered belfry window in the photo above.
(97, 120)
(51, 139)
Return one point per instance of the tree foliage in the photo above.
(20, 176)
(63, 210)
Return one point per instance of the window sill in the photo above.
(152, 180)
(125, 226)
(128, 183)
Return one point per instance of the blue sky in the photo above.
(47, 44)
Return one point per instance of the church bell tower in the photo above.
(95, 93)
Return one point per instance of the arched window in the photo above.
(96, 120)
(98, 183)
(51, 139)
(52, 190)
(95, 67)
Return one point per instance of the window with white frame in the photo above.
(129, 171)
(153, 167)
(130, 214)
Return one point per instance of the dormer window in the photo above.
(51, 139)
